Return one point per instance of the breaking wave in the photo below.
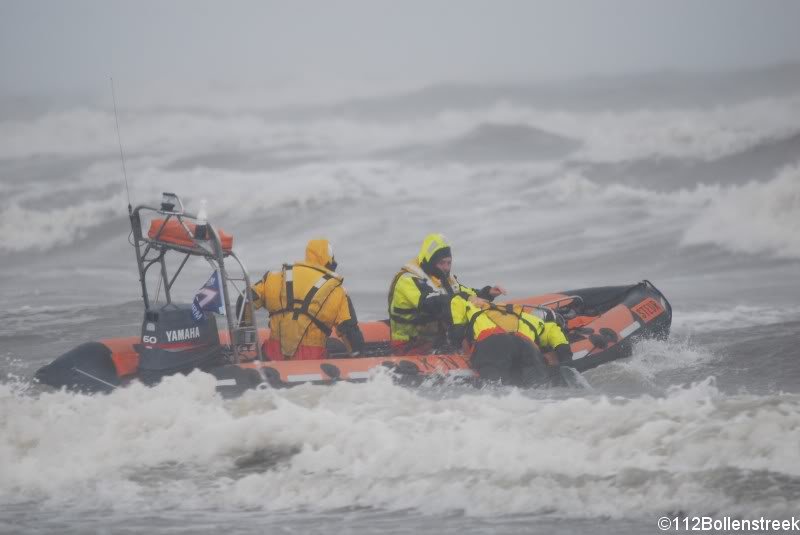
(382, 446)
(753, 218)
(605, 135)
(252, 164)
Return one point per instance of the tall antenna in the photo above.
(121, 153)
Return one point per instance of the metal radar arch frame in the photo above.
(204, 242)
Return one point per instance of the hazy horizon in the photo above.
(354, 48)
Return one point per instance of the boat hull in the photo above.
(606, 322)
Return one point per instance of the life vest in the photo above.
(506, 318)
(406, 320)
(296, 317)
(449, 287)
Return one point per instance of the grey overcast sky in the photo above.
(76, 45)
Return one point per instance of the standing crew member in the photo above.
(305, 301)
(506, 342)
(419, 298)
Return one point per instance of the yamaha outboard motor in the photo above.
(173, 341)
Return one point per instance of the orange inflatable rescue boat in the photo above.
(602, 324)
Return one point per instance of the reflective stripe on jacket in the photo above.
(483, 321)
(409, 316)
(305, 302)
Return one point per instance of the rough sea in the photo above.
(689, 181)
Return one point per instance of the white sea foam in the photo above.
(753, 218)
(737, 316)
(606, 135)
(180, 134)
(29, 229)
(234, 196)
(650, 358)
(378, 445)
(33, 219)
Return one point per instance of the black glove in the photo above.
(436, 306)
(564, 353)
(485, 293)
(456, 335)
(352, 334)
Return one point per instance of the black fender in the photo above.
(87, 368)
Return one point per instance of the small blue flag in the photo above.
(209, 298)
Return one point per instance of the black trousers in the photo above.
(511, 360)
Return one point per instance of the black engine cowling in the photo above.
(174, 342)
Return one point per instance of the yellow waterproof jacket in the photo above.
(507, 318)
(416, 299)
(305, 301)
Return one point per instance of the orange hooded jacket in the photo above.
(305, 302)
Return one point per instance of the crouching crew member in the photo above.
(419, 298)
(506, 342)
(305, 301)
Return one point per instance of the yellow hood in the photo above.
(431, 244)
(319, 252)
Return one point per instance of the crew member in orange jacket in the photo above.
(305, 301)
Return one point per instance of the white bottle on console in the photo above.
(201, 230)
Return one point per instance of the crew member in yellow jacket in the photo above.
(420, 295)
(505, 341)
(305, 301)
